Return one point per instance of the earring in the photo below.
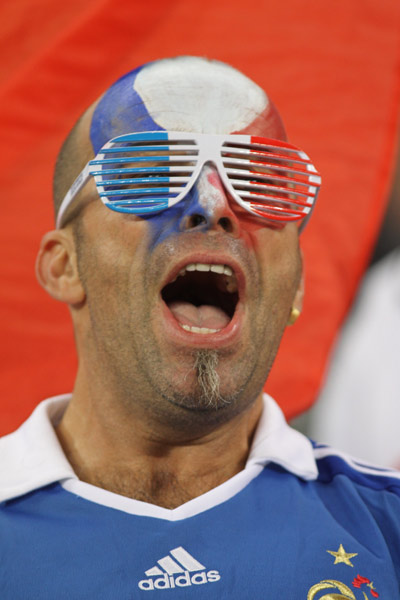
(294, 315)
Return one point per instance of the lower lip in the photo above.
(227, 336)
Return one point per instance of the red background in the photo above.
(331, 67)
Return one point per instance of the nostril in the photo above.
(226, 224)
(196, 220)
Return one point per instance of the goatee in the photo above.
(206, 362)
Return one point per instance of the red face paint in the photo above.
(214, 180)
(266, 124)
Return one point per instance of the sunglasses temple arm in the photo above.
(75, 188)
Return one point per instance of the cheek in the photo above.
(279, 258)
(253, 230)
(162, 225)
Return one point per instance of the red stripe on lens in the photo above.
(296, 167)
(271, 142)
(285, 157)
(276, 217)
(283, 199)
(290, 179)
(282, 209)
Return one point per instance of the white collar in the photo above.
(31, 457)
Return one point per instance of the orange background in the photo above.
(331, 67)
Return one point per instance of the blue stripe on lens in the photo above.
(139, 211)
(134, 149)
(138, 192)
(135, 180)
(133, 137)
(135, 170)
(138, 201)
(105, 161)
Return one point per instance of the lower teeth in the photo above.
(199, 329)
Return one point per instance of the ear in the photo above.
(56, 267)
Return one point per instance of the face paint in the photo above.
(169, 222)
(193, 94)
(267, 124)
(120, 110)
(187, 94)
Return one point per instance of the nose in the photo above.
(208, 207)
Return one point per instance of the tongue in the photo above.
(208, 316)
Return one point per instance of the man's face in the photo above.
(187, 307)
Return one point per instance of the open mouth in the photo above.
(203, 297)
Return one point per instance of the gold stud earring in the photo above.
(294, 315)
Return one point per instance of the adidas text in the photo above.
(169, 581)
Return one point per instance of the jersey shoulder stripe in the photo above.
(332, 462)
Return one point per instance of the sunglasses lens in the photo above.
(272, 179)
(144, 173)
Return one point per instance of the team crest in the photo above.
(331, 589)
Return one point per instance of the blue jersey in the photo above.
(301, 521)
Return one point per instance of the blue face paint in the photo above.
(169, 222)
(120, 110)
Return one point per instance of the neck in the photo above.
(128, 455)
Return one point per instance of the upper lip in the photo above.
(210, 259)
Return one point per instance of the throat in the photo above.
(160, 488)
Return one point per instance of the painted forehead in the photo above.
(184, 94)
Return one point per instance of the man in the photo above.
(167, 471)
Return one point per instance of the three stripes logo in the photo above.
(177, 569)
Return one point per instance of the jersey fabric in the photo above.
(301, 521)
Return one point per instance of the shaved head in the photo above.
(70, 161)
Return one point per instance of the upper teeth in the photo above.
(227, 284)
(221, 269)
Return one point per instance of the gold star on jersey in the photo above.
(341, 556)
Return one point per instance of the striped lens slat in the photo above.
(301, 182)
(260, 156)
(276, 181)
(142, 201)
(140, 180)
(256, 187)
(133, 159)
(276, 213)
(170, 191)
(147, 148)
(143, 170)
(155, 206)
(139, 175)
(262, 168)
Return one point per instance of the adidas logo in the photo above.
(180, 571)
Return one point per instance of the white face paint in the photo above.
(211, 194)
(199, 95)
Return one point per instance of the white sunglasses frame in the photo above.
(210, 148)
